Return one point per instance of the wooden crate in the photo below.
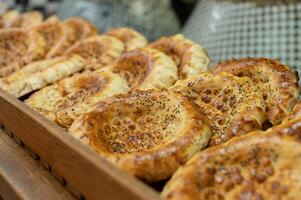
(22, 177)
(84, 173)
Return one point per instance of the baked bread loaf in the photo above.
(13, 19)
(75, 29)
(29, 19)
(9, 18)
(18, 48)
(48, 76)
(259, 165)
(29, 69)
(98, 51)
(190, 57)
(233, 105)
(146, 68)
(52, 30)
(148, 134)
(278, 83)
(94, 87)
(151, 109)
(75, 95)
(131, 38)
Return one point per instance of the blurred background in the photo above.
(226, 28)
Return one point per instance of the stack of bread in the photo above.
(156, 110)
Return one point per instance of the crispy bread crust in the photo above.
(30, 19)
(13, 19)
(18, 48)
(233, 105)
(29, 69)
(149, 133)
(71, 96)
(75, 29)
(52, 30)
(131, 38)
(48, 76)
(295, 112)
(190, 57)
(99, 51)
(278, 82)
(260, 165)
(146, 68)
(108, 84)
(9, 19)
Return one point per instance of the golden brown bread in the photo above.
(259, 165)
(98, 86)
(52, 30)
(233, 105)
(278, 82)
(131, 38)
(50, 75)
(9, 19)
(98, 51)
(18, 48)
(30, 19)
(29, 69)
(149, 133)
(13, 19)
(295, 112)
(75, 29)
(74, 95)
(190, 57)
(146, 68)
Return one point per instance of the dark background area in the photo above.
(182, 8)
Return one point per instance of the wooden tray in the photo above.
(84, 173)
(22, 177)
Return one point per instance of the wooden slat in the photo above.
(21, 177)
(91, 175)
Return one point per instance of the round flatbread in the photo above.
(146, 68)
(149, 134)
(190, 58)
(131, 38)
(233, 105)
(278, 83)
(260, 165)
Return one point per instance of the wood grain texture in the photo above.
(85, 171)
(23, 178)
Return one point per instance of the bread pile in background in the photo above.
(156, 111)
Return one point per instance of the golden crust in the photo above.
(190, 57)
(75, 29)
(146, 69)
(149, 133)
(9, 19)
(278, 82)
(47, 76)
(295, 112)
(18, 48)
(44, 101)
(29, 69)
(71, 96)
(131, 38)
(108, 84)
(13, 19)
(52, 30)
(233, 105)
(99, 51)
(260, 165)
(30, 19)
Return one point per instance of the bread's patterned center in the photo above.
(12, 47)
(133, 67)
(135, 124)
